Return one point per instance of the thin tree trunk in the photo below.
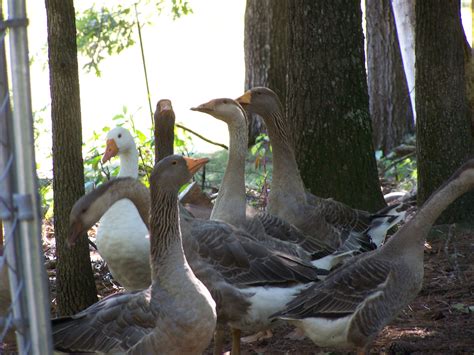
(444, 138)
(390, 106)
(328, 102)
(404, 14)
(75, 283)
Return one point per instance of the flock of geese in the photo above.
(312, 262)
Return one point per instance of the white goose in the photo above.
(122, 224)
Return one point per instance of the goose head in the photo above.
(164, 106)
(174, 171)
(119, 140)
(224, 109)
(260, 100)
(91, 207)
(164, 120)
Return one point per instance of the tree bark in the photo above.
(75, 283)
(444, 139)
(328, 103)
(266, 46)
(257, 54)
(389, 99)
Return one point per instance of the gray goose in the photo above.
(175, 315)
(248, 280)
(352, 305)
(230, 205)
(335, 222)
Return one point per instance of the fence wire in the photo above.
(24, 303)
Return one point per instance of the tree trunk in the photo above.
(328, 102)
(278, 69)
(75, 283)
(265, 45)
(389, 99)
(257, 54)
(444, 141)
(404, 14)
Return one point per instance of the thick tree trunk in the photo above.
(404, 14)
(444, 141)
(75, 283)
(390, 106)
(328, 102)
(278, 69)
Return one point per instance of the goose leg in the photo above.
(235, 342)
(219, 336)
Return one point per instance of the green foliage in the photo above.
(103, 31)
(107, 31)
(261, 152)
(401, 170)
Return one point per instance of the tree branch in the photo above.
(202, 137)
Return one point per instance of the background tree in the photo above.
(328, 102)
(257, 54)
(389, 99)
(75, 283)
(265, 46)
(444, 138)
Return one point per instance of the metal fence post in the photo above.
(26, 199)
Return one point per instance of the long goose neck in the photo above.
(413, 234)
(286, 176)
(166, 250)
(129, 163)
(230, 202)
(164, 135)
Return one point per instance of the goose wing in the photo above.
(279, 229)
(242, 260)
(343, 292)
(115, 323)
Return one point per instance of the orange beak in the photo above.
(195, 164)
(245, 99)
(111, 150)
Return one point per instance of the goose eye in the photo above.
(84, 210)
(225, 101)
(174, 162)
(120, 135)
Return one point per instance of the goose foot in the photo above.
(264, 334)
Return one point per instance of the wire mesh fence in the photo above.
(24, 304)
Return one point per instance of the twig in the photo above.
(144, 64)
(202, 137)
